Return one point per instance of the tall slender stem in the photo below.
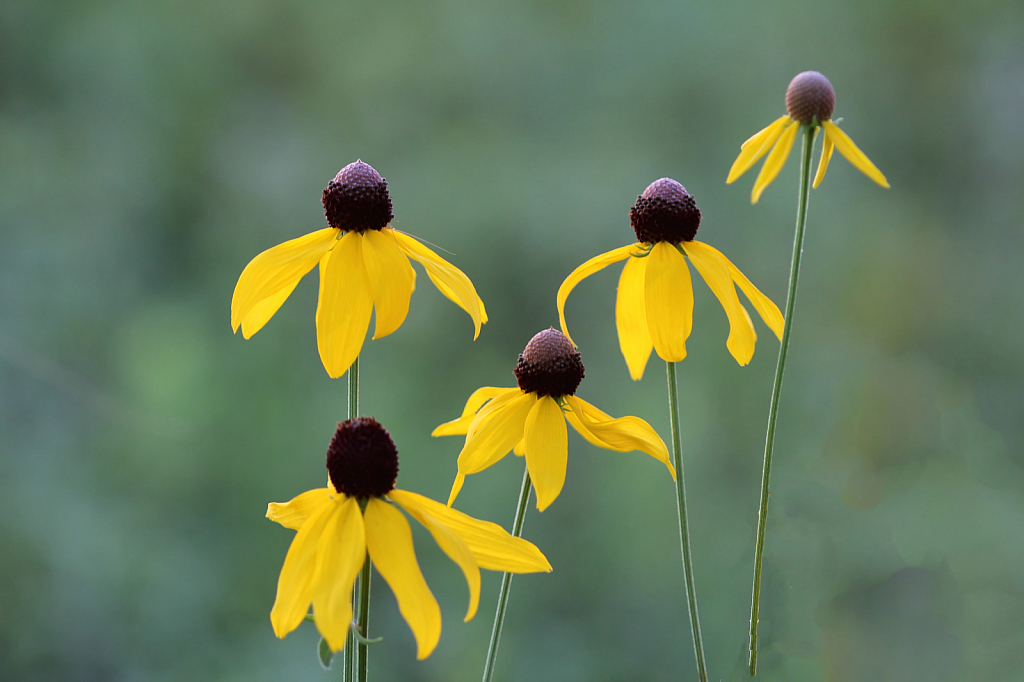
(363, 619)
(353, 389)
(684, 529)
(506, 580)
(773, 410)
(349, 671)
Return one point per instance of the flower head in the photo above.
(531, 420)
(364, 268)
(810, 100)
(654, 306)
(357, 515)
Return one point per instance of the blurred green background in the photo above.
(149, 150)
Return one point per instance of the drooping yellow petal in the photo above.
(586, 270)
(826, 155)
(768, 311)
(631, 317)
(389, 541)
(854, 155)
(343, 310)
(447, 539)
(448, 279)
(390, 277)
(460, 479)
(622, 434)
(480, 421)
(277, 268)
(547, 450)
(460, 426)
(297, 580)
(715, 272)
(496, 432)
(668, 297)
(773, 164)
(261, 313)
(340, 557)
(756, 147)
(520, 449)
(492, 546)
(295, 512)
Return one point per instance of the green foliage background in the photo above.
(149, 150)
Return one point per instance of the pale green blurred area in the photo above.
(149, 150)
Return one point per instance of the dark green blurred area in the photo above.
(149, 150)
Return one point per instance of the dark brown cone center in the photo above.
(549, 365)
(810, 96)
(362, 460)
(357, 199)
(665, 212)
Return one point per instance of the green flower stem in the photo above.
(349, 672)
(353, 389)
(773, 410)
(684, 530)
(363, 619)
(506, 580)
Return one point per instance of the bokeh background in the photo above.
(149, 150)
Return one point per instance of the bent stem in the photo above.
(773, 410)
(506, 580)
(349, 672)
(684, 530)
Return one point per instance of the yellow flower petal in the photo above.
(826, 155)
(586, 270)
(340, 557)
(631, 317)
(668, 296)
(520, 449)
(773, 164)
(295, 512)
(460, 479)
(460, 426)
(389, 541)
(622, 434)
(390, 277)
(448, 279)
(756, 147)
(496, 432)
(261, 313)
(854, 155)
(276, 269)
(480, 421)
(492, 546)
(343, 310)
(447, 539)
(547, 450)
(768, 311)
(715, 272)
(296, 583)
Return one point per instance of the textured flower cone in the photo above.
(530, 420)
(335, 536)
(810, 100)
(654, 305)
(364, 269)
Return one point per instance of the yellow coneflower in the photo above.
(356, 518)
(364, 268)
(810, 100)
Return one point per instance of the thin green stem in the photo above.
(773, 410)
(363, 620)
(349, 671)
(506, 580)
(353, 389)
(684, 529)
